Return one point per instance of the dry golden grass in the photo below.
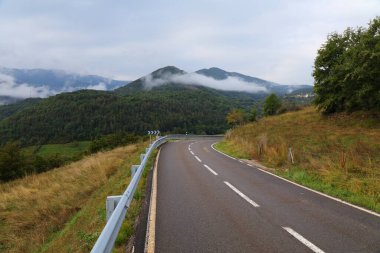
(82, 230)
(33, 208)
(342, 150)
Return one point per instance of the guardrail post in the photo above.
(134, 169)
(142, 157)
(111, 204)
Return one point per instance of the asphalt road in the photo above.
(207, 202)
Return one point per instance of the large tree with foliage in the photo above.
(12, 162)
(253, 114)
(271, 105)
(347, 70)
(236, 117)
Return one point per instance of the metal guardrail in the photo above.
(107, 238)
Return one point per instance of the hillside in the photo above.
(84, 115)
(336, 154)
(63, 210)
(12, 108)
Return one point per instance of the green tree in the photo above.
(236, 117)
(346, 70)
(253, 114)
(271, 105)
(12, 162)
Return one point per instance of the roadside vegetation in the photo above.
(16, 161)
(63, 210)
(336, 154)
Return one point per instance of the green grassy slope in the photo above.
(336, 154)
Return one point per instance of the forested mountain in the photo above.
(142, 85)
(84, 115)
(156, 101)
(172, 75)
(10, 109)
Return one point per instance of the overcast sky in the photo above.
(126, 39)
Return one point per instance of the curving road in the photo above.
(208, 202)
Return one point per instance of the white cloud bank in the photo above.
(8, 87)
(99, 86)
(229, 84)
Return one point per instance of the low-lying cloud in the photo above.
(99, 86)
(229, 84)
(8, 87)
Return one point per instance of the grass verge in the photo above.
(82, 231)
(337, 155)
(63, 210)
(68, 150)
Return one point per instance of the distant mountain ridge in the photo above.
(281, 89)
(172, 76)
(44, 82)
(6, 100)
(54, 81)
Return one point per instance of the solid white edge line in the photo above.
(211, 170)
(150, 239)
(306, 188)
(302, 239)
(250, 201)
(212, 146)
(191, 152)
(199, 160)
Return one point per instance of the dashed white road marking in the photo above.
(199, 160)
(250, 165)
(211, 170)
(250, 201)
(191, 152)
(302, 239)
(240, 161)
